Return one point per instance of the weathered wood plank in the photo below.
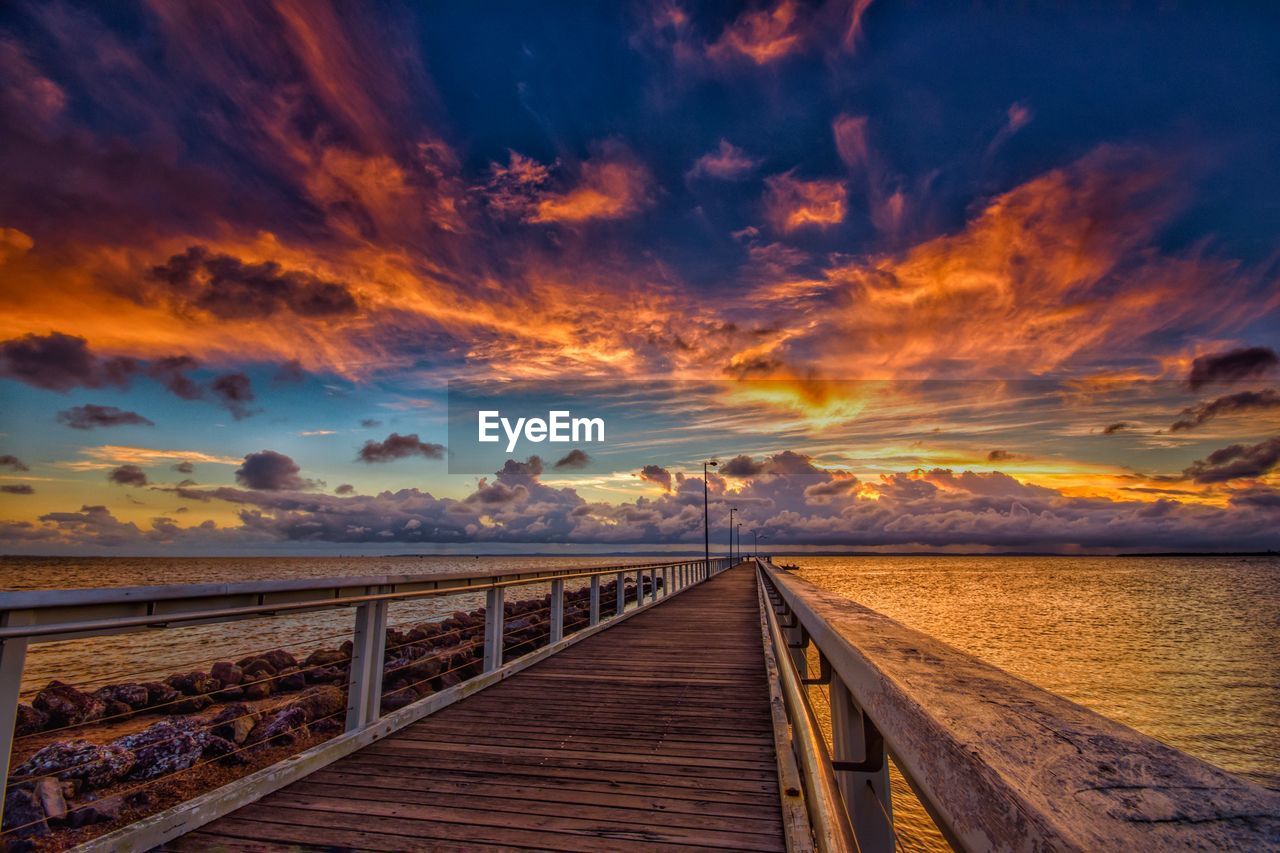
(655, 734)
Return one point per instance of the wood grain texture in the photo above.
(654, 734)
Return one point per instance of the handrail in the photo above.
(65, 629)
(828, 817)
(1001, 764)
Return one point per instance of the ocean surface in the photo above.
(1185, 649)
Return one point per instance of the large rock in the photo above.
(159, 694)
(320, 702)
(136, 696)
(30, 720)
(52, 800)
(67, 706)
(165, 747)
(290, 680)
(326, 657)
(193, 683)
(227, 673)
(224, 751)
(283, 727)
(257, 690)
(94, 765)
(23, 814)
(326, 675)
(280, 659)
(233, 722)
(191, 704)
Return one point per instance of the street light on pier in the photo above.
(732, 510)
(706, 522)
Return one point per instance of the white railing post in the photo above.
(866, 787)
(364, 681)
(666, 581)
(557, 611)
(595, 600)
(494, 601)
(653, 585)
(13, 657)
(621, 596)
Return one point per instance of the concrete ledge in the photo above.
(1003, 765)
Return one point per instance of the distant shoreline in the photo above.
(779, 552)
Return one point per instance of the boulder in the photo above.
(94, 765)
(290, 680)
(23, 814)
(29, 721)
(165, 747)
(256, 669)
(233, 722)
(93, 811)
(159, 694)
(133, 695)
(396, 699)
(229, 694)
(257, 690)
(193, 683)
(117, 710)
(282, 728)
(53, 802)
(224, 751)
(280, 659)
(190, 704)
(67, 706)
(320, 702)
(326, 657)
(326, 675)
(227, 673)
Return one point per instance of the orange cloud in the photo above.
(791, 203)
(728, 162)
(1056, 271)
(763, 36)
(612, 185)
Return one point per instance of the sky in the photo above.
(945, 277)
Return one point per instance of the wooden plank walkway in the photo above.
(655, 733)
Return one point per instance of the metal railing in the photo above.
(998, 763)
(49, 615)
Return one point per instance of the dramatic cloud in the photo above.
(1236, 462)
(742, 466)
(272, 472)
(289, 373)
(791, 203)
(345, 489)
(184, 468)
(397, 446)
(611, 185)
(1001, 456)
(1244, 401)
(726, 163)
(370, 423)
(17, 489)
(574, 459)
(230, 289)
(128, 475)
(761, 35)
(656, 474)
(1118, 426)
(90, 416)
(13, 463)
(61, 362)
(171, 372)
(234, 391)
(1232, 365)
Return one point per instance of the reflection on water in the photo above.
(1186, 650)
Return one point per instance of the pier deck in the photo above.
(654, 733)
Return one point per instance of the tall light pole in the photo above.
(732, 510)
(706, 522)
(739, 541)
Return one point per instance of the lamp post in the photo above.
(732, 510)
(706, 523)
(739, 541)
(755, 533)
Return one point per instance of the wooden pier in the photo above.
(655, 733)
(672, 711)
